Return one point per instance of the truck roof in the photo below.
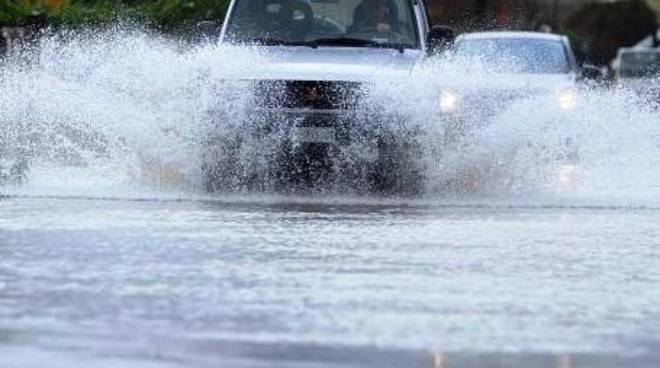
(511, 34)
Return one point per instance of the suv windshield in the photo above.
(515, 55)
(640, 64)
(358, 23)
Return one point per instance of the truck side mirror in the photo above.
(440, 39)
(206, 31)
(591, 73)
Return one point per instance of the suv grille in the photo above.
(309, 94)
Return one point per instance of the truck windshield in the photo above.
(515, 55)
(352, 23)
(640, 64)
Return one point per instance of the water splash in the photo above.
(124, 111)
(122, 104)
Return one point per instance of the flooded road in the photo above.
(247, 282)
(535, 242)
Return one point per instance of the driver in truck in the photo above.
(374, 15)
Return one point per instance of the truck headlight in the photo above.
(567, 99)
(448, 101)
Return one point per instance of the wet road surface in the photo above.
(326, 283)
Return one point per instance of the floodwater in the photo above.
(112, 255)
(304, 283)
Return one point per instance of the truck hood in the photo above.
(330, 64)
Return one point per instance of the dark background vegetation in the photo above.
(596, 28)
(167, 15)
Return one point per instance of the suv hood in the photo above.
(331, 64)
(512, 82)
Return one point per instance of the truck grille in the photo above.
(322, 95)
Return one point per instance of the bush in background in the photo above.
(168, 15)
(602, 28)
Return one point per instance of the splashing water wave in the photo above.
(124, 113)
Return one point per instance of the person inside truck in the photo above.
(378, 16)
(288, 20)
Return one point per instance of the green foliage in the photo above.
(16, 12)
(165, 14)
(173, 14)
(86, 13)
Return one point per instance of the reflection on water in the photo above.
(541, 360)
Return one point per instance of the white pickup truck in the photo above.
(322, 54)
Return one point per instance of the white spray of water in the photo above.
(122, 111)
(110, 110)
(604, 150)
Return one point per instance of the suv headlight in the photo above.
(449, 101)
(567, 99)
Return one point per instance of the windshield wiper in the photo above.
(356, 42)
(333, 41)
(280, 42)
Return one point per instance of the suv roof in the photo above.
(511, 34)
(635, 50)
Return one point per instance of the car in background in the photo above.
(502, 68)
(638, 70)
